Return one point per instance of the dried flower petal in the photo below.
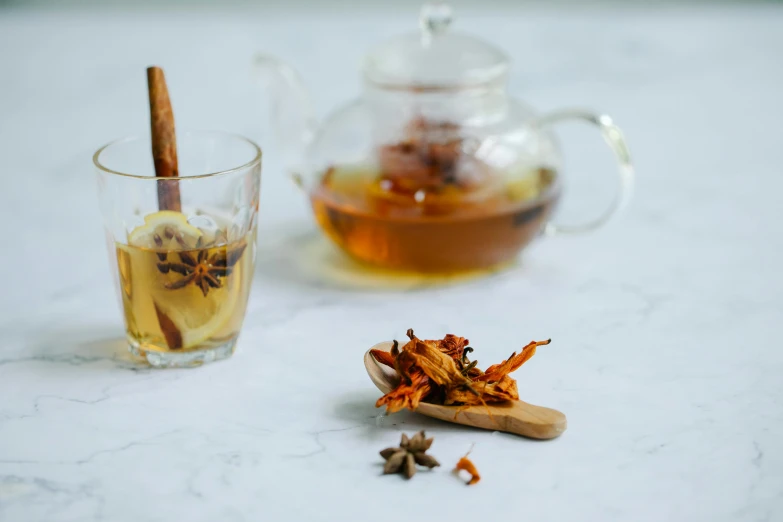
(465, 464)
(504, 390)
(406, 395)
(496, 371)
(436, 365)
(383, 357)
(451, 345)
(425, 158)
(440, 371)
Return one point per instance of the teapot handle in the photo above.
(291, 115)
(614, 138)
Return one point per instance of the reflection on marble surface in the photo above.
(310, 259)
(664, 356)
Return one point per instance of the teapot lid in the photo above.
(434, 57)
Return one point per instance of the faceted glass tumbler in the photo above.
(183, 274)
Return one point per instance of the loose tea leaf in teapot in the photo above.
(430, 158)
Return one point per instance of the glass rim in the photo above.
(256, 158)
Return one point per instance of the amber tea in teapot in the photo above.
(427, 207)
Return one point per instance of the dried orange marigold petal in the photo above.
(383, 357)
(495, 372)
(406, 395)
(465, 464)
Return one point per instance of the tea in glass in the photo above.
(182, 292)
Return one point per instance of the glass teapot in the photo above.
(435, 168)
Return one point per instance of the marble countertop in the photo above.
(666, 354)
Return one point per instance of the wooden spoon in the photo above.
(517, 417)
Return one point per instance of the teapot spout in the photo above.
(291, 117)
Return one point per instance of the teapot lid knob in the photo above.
(435, 56)
(435, 18)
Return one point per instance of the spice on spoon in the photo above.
(440, 372)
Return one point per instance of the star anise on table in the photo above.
(411, 452)
(204, 270)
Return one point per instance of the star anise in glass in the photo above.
(411, 452)
(204, 270)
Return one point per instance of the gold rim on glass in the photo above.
(256, 159)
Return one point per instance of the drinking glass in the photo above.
(183, 275)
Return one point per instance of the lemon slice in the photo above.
(165, 225)
(200, 317)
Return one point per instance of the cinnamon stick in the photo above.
(170, 331)
(164, 140)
